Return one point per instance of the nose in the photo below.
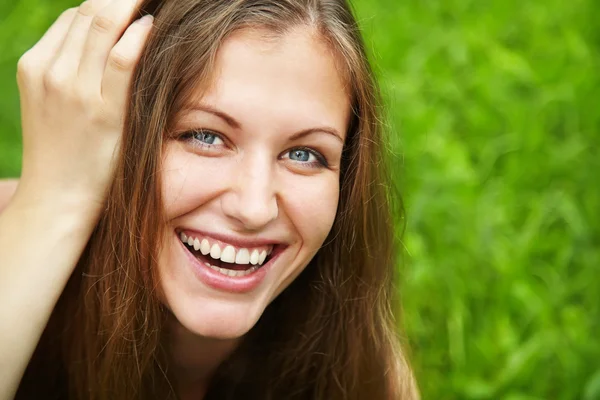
(252, 198)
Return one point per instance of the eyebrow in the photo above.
(322, 129)
(237, 125)
(211, 110)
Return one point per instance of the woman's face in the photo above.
(251, 180)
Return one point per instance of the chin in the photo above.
(215, 319)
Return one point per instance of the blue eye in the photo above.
(300, 155)
(207, 137)
(306, 156)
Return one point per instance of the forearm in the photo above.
(39, 248)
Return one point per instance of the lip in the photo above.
(235, 241)
(218, 281)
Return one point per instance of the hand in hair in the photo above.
(74, 88)
(73, 94)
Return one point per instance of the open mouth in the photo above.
(227, 259)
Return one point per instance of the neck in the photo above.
(195, 359)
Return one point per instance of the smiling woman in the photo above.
(238, 245)
(258, 175)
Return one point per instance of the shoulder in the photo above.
(7, 189)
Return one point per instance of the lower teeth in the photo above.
(231, 272)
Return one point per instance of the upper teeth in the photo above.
(227, 253)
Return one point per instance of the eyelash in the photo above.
(321, 160)
(189, 136)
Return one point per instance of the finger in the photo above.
(70, 51)
(47, 47)
(106, 29)
(122, 61)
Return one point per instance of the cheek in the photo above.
(311, 204)
(187, 182)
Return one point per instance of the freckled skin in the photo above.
(248, 185)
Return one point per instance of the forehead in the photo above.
(294, 74)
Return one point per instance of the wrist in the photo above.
(70, 208)
(41, 198)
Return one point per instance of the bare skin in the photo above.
(72, 93)
(195, 360)
(7, 190)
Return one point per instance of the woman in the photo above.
(235, 241)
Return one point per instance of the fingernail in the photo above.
(146, 19)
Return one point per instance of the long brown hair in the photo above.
(330, 335)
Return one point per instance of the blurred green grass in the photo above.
(494, 114)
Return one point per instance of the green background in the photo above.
(493, 109)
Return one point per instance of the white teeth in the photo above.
(243, 256)
(254, 257)
(228, 254)
(262, 257)
(230, 272)
(215, 251)
(204, 247)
